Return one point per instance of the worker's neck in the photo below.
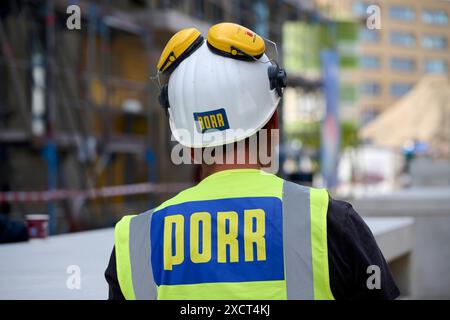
(208, 170)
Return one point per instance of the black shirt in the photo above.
(351, 250)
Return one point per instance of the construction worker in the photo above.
(241, 233)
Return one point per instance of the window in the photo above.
(400, 89)
(368, 35)
(369, 114)
(435, 66)
(434, 42)
(436, 17)
(370, 88)
(403, 39)
(369, 62)
(359, 9)
(403, 13)
(402, 64)
(348, 92)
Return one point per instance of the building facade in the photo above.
(409, 39)
(413, 40)
(77, 108)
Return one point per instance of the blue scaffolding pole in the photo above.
(50, 155)
(330, 135)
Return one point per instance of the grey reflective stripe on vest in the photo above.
(140, 253)
(297, 241)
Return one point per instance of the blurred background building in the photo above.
(412, 42)
(379, 66)
(78, 110)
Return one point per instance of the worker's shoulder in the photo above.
(168, 202)
(227, 186)
(338, 210)
(186, 195)
(319, 194)
(125, 219)
(341, 206)
(343, 217)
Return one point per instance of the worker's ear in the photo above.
(273, 122)
(196, 155)
(272, 132)
(271, 126)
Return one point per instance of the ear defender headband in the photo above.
(226, 39)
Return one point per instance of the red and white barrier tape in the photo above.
(105, 192)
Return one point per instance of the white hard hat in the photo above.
(221, 90)
(207, 88)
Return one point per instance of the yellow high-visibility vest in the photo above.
(238, 234)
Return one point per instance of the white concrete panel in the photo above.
(37, 269)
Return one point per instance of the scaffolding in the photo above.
(67, 102)
(77, 109)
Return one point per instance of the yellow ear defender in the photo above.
(225, 39)
(235, 41)
(179, 47)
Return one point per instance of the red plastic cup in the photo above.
(37, 225)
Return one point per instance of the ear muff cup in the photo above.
(277, 78)
(179, 47)
(177, 60)
(164, 97)
(235, 41)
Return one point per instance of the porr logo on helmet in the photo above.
(211, 120)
